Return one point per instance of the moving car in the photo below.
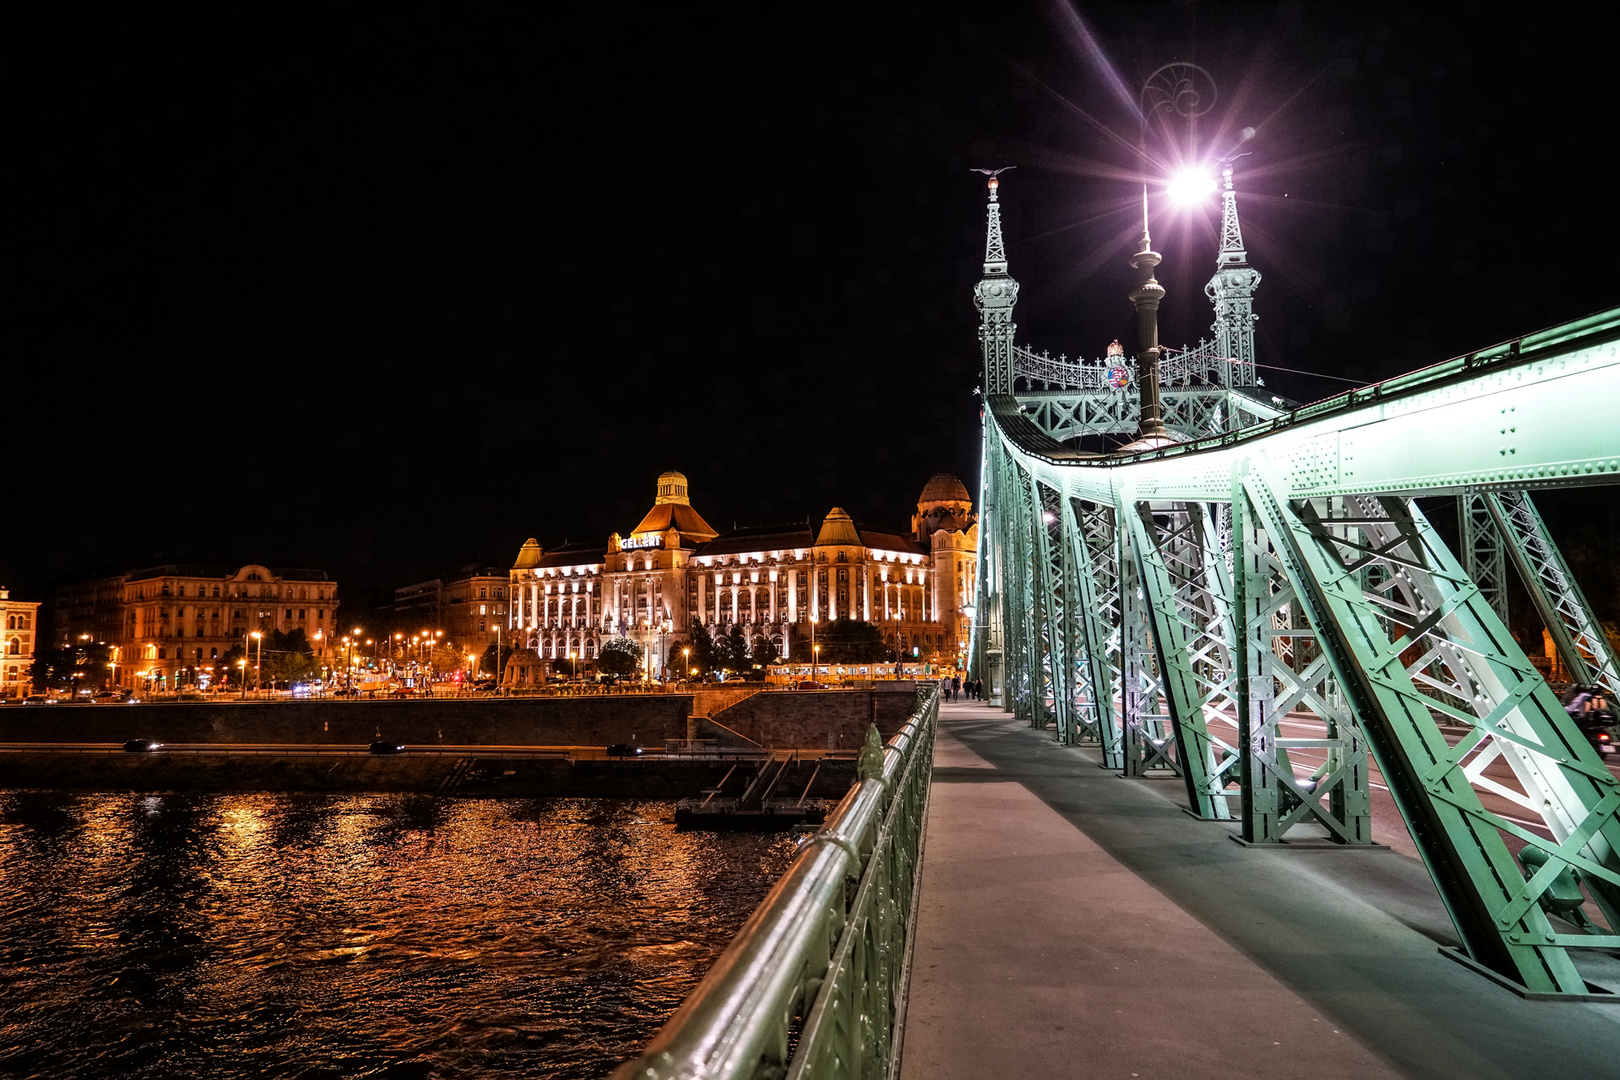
(385, 746)
(620, 749)
(141, 746)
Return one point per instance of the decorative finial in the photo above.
(1115, 348)
(992, 174)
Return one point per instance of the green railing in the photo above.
(814, 984)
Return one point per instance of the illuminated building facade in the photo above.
(20, 619)
(468, 605)
(774, 582)
(170, 624)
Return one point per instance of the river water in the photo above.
(265, 935)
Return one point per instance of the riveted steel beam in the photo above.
(1582, 645)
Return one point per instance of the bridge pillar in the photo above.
(1425, 644)
(1284, 670)
(1090, 535)
(1187, 603)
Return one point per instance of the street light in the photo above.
(258, 667)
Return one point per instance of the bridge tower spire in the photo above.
(995, 295)
(1232, 291)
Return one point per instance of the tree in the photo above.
(82, 665)
(765, 653)
(702, 646)
(233, 658)
(288, 657)
(619, 656)
(732, 650)
(851, 641)
(490, 662)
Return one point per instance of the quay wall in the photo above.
(820, 719)
(647, 719)
(809, 719)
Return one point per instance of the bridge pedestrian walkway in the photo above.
(1075, 924)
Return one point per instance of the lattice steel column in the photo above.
(1454, 658)
(1576, 632)
(1482, 551)
(1187, 604)
(1277, 679)
(1096, 550)
(1057, 561)
(1149, 738)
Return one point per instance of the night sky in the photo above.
(383, 291)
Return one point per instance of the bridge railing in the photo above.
(814, 983)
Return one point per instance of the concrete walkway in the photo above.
(1074, 924)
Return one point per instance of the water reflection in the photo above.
(282, 935)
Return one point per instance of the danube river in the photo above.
(358, 935)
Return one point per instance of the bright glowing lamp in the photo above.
(1191, 186)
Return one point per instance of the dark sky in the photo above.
(383, 291)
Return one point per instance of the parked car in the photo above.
(141, 746)
(385, 746)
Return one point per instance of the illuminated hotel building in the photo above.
(771, 581)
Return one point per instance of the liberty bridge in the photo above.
(1174, 601)
(1241, 596)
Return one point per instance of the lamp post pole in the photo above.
(1185, 90)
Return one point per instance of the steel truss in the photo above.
(1581, 643)
(1259, 612)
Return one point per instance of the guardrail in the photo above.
(814, 984)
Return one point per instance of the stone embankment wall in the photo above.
(810, 719)
(820, 719)
(549, 721)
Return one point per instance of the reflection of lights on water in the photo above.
(152, 804)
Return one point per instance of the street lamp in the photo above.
(686, 659)
(258, 667)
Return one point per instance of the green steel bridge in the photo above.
(1234, 561)
(1173, 600)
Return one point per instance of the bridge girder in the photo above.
(1221, 584)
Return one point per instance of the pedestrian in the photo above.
(956, 686)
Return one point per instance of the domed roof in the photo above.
(672, 489)
(672, 509)
(838, 528)
(529, 555)
(944, 487)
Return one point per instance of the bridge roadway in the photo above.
(1075, 924)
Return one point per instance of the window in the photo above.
(289, 613)
(303, 613)
(213, 654)
(216, 590)
(163, 654)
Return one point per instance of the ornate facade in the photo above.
(20, 618)
(774, 582)
(169, 625)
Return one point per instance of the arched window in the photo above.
(14, 647)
